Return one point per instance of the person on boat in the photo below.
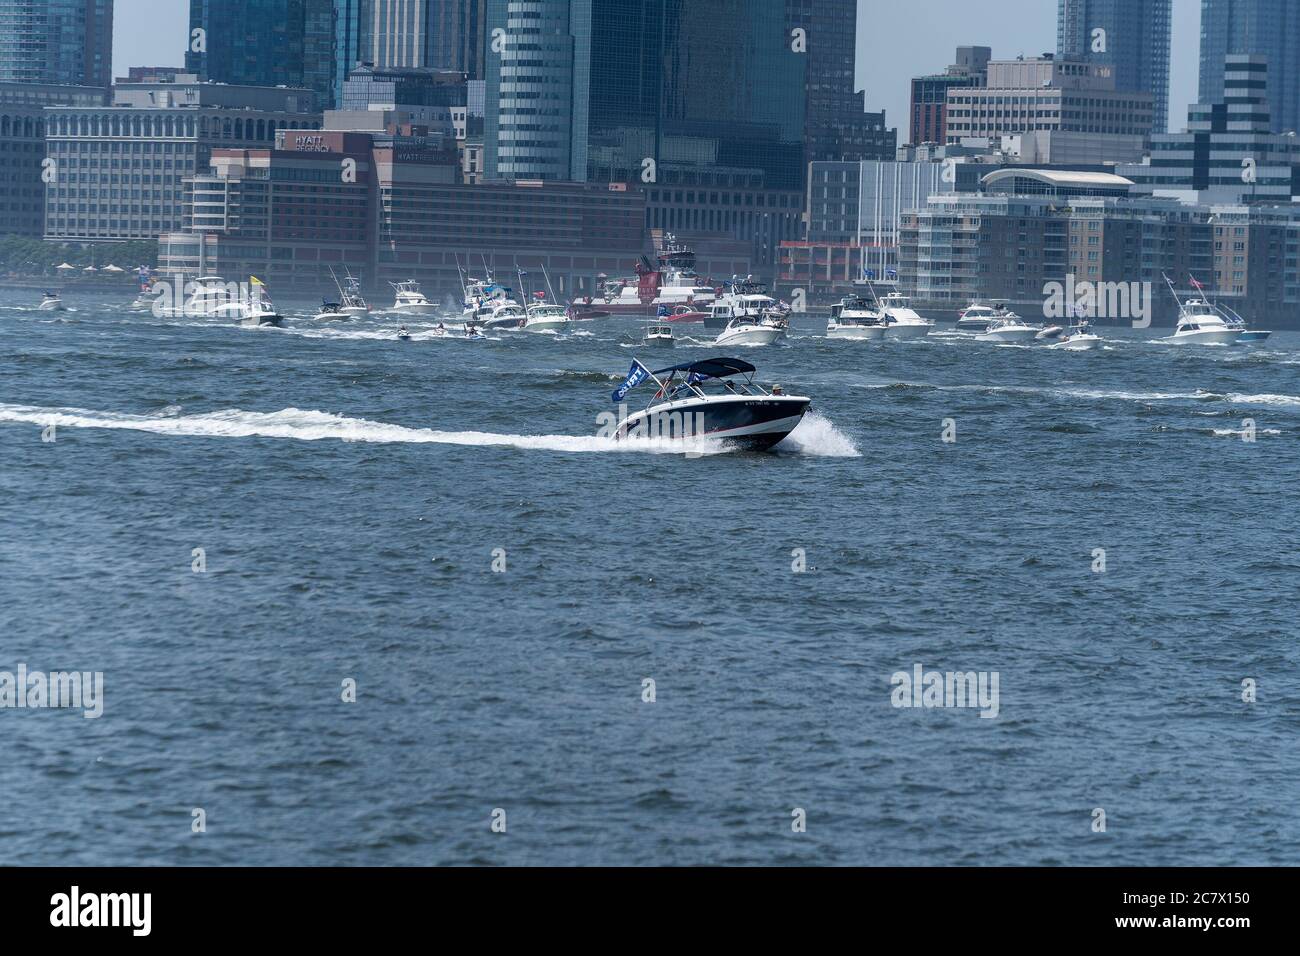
(777, 390)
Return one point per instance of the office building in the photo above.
(56, 42)
(1229, 153)
(929, 111)
(22, 150)
(122, 167)
(1129, 36)
(1263, 28)
(1028, 95)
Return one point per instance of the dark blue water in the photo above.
(349, 492)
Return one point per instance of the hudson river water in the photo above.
(350, 494)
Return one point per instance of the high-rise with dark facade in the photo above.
(1261, 28)
(296, 43)
(1130, 36)
(61, 42)
(837, 125)
(709, 122)
(428, 34)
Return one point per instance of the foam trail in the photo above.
(817, 437)
(300, 425)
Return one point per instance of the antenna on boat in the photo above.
(1170, 283)
(548, 284)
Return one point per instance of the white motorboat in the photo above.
(208, 297)
(50, 302)
(1011, 328)
(403, 334)
(351, 302)
(746, 330)
(659, 336)
(409, 300)
(1199, 323)
(331, 312)
(1078, 338)
(546, 317)
(255, 309)
(855, 318)
(901, 320)
(1051, 332)
(976, 316)
(713, 399)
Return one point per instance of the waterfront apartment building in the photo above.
(1229, 153)
(22, 150)
(121, 168)
(1028, 228)
(1263, 28)
(1129, 36)
(311, 44)
(56, 42)
(929, 112)
(1048, 94)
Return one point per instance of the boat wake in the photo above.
(815, 437)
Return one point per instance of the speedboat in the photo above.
(714, 399)
(659, 336)
(546, 317)
(331, 312)
(854, 318)
(901, 320)
(744, 330)
(1200, 323)
(684, 313)
(409, 300)
(50, 302)
(976, 317)
(1010, 328)
(1078, 338)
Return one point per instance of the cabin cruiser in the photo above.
(50, 302)
(714, 399)
(209, 297)
(658, 335)
(1010, 328)
(901, 320)
(855, 318)
(1200, 323)
(491, 306)
(546, 317)
(976, 316)
(1078, 338)
(409, 300)
(747, 298)
(744, 327)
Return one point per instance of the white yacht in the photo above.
(409, 300)
(209, 297)
(901, 320)
(855, 318)
(1009, 328)
(546, 317)
(1200, 323)
(976, 316)
(492, 306)
(50, 302)
(255, 309)
(351, 304)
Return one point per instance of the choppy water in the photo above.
(349, 492)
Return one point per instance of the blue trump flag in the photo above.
(635, 376)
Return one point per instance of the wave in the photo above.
(820, 439)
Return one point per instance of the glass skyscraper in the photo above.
(1267, 28)
(1135, 44)
(296, 43)
(60, 42)
(623, 90)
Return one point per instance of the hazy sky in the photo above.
(896, 41)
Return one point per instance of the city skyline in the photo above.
(884, 68)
